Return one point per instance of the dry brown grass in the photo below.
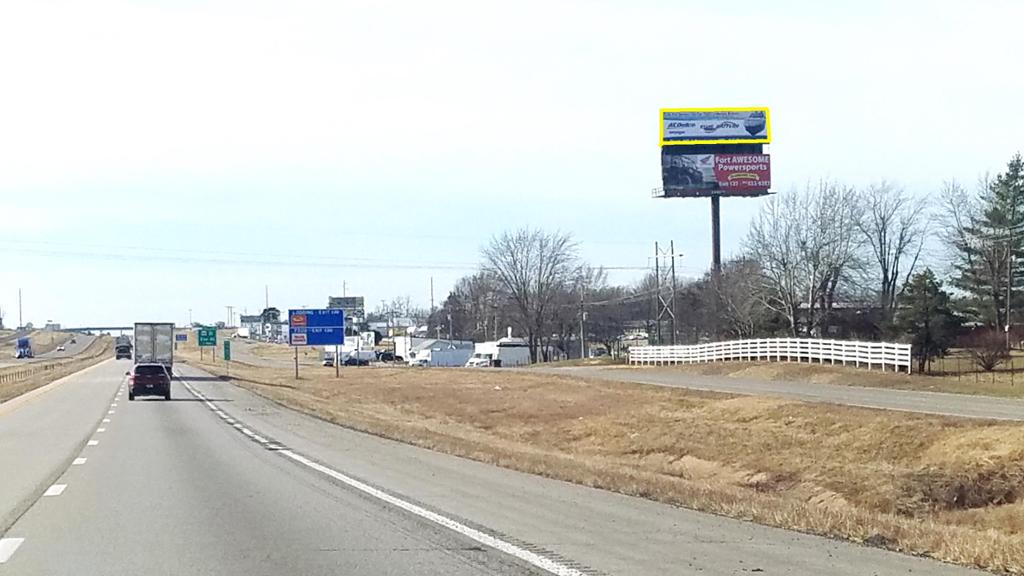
(944, 487)
(97, 351)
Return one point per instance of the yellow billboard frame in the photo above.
(767, 123)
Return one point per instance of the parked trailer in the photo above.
(441, 357)
(506, 352)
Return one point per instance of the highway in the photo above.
(220, 481)
(82, 341)
(961, 405)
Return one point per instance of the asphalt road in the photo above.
(963, 405)
(224, 482)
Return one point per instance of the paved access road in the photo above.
(963, 405)
(224, 482)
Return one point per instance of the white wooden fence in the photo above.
(882, 355)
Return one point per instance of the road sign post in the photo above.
(227, 356)
(315, 327)
(207, 337)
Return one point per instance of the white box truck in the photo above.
(154, 343)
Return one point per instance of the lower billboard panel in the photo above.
(734, 174)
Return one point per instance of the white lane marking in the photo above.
(106, 420)
(79, 461)
(101, 429)
(523, 554)
(110, 411)
(229, 420)
(7, 548)
(485, 539)
(114, 405)
(55, 490)
(93, 442)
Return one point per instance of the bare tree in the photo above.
(739, 297)
(895, 228)
(806, 243)
(773, 242)
(531, 266)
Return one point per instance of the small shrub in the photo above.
(989, 351)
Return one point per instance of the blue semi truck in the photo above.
(23, 348)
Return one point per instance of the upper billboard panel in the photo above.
(682, 126)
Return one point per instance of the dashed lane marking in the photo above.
(93, 442)
(55, 490)
(7, 548)
(78, 461)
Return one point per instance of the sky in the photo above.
(162, 157)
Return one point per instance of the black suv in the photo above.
(149, 380)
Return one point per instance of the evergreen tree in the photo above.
(989, 243)
(926, 316)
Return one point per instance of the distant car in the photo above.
(350, 361)
(60, 348)
(388, 357)
(328, 361)
(74, 341)
(149, 380)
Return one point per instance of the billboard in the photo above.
(354, 306)
(316, 327)
(733, 174)
(682, 126)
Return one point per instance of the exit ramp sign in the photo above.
(207, 337)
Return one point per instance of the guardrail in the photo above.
(845, 352)
(30, 371)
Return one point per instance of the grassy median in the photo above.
(944, 487)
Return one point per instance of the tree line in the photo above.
(824, 260)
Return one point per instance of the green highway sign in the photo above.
(227, 349)
(207, 337)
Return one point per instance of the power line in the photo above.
(252, 259)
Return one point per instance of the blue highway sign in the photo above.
(316, 327)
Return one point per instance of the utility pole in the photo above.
(231, 316)
(672, 249)
(1009, 282)
(189, 317)
(450, 344)
(657, 288)
(666, 308)
(431, 294)
(266, 298)
(583, 317)
(21, 323)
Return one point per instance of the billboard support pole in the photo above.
(716, 259)
(296, 362)
(716, 235)
(337, 361)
